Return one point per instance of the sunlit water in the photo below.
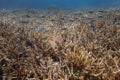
(63, 4)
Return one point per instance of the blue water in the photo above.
(63, 4)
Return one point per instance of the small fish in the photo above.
(41, 29)
(64, 29)
(32, 28)
(43, 39)
(58, 39)
(54, 40)
(53, 45)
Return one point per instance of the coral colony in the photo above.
(69, 45)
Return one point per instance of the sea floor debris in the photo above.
(75, 46)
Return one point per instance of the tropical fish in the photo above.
(54, 40)
(53, 44)
(58, 39)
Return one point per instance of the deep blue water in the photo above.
(64, 4)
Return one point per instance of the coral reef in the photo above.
(69, 45)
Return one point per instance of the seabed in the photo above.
(60, 44)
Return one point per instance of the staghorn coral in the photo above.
(91, 50)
